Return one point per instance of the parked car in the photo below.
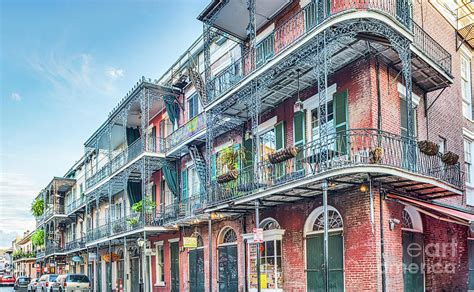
(45, 282)
(7, 280)
(21, 282)
(72, 282)
(32, 285)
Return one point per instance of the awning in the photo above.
(447, 214)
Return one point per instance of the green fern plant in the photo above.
(37, 207)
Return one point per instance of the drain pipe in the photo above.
(382, 248)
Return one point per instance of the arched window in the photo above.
(411, 220)
(315, 221)
(269, 224)
(228, 236)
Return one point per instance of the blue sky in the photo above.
(64, 66)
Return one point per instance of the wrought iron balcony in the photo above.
(98, 233)
(52, 248)
(186, 132)
(186, 209)
(40, 254)
(345, 150)
(53, 209)
(129, 153)
(306, 21)
(79, 243)
(76, 204)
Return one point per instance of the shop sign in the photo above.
(92, 256)
(258, 235)
(189, 242)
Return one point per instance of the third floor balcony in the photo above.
(431, 63)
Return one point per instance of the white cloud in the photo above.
(15, 96)
(16, 194)
(114, 73)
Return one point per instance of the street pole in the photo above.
(209, 244)
(257, 225)
(326, 235)
(125, 266)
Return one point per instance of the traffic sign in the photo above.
(257, 235)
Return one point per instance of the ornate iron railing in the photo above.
(156, 145)
(78, 243)
(53, 209)
(40, 254)
(430, 47)
(186, 131)
(98, 233)
(79, 202)
(356, 147)
(51, 248)
(305, 21)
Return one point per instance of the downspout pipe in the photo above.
(382, 242)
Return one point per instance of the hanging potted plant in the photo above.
(282, 155)
(228, 159)
(429, 148)
(450, 158)
(375, 155)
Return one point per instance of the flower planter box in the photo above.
(227, 177)
(283, 155)
(429, 148)
(450, 158)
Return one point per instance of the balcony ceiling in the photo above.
(233, 17)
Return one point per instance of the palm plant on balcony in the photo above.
(37, 207)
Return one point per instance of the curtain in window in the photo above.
(134, 190)
(172, 108)
(170, 178)
(132, 135)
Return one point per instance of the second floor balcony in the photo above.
(75, 244)
(348, 156)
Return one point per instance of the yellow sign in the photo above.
(263, 281)
(189, 242)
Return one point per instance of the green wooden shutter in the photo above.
(412, 279)
(236, 150)
(280, 135)
(153, 193)
(184, 184)
(314, 263)
(340, 121)
(192, 270)
(298, 128)
(174, 266)
(470, 252)
(336, 267)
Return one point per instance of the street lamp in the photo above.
(141, 244)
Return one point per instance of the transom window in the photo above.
(229, 236)
(334, 221)
(406, 220)
(269, 224)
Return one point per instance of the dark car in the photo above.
(21, 282)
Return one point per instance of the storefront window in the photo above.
(271, 273)
(160, 275)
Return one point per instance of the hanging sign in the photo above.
(92, 256)
(77, 259)
(189, 242)
(257, 235)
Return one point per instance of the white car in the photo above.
(45, 283)
(72, 282)
(32, 286)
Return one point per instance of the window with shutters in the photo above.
(194, 184)
(160, 262)
(466, 86)
(267, 144)
(316, 120)
(193, 106)
(468, 160)
(404, 120)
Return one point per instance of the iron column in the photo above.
(326, 235)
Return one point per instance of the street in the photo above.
(7, 289)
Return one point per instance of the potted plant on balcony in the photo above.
(117, 227)
(375, 155)
(228, 159)
(282, 155)
(450, 158)
(429, 148)
(132, 221)
(37, 239)
(37, 207)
